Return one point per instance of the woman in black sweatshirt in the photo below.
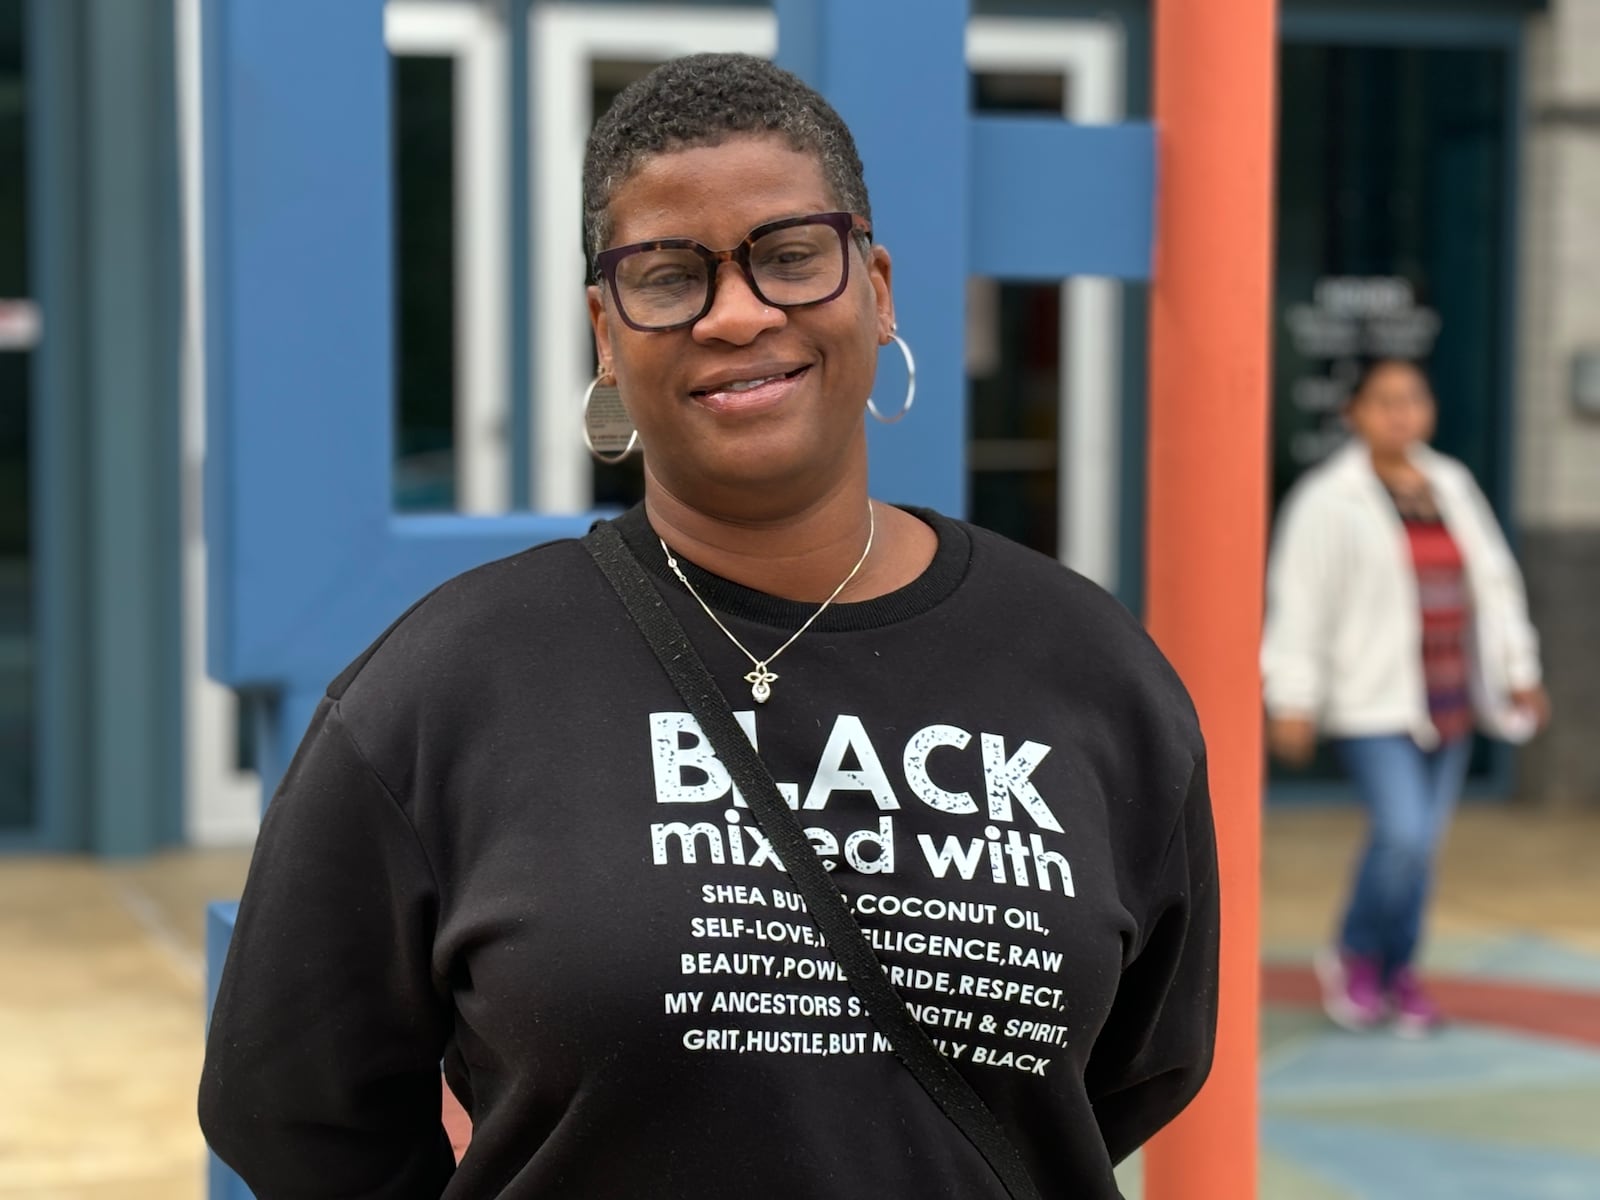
(505, 847)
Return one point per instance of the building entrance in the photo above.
(1395, 239)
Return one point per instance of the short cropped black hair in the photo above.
(700, 100)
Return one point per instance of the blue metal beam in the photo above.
(1053, 199)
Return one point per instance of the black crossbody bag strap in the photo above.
(827, 904)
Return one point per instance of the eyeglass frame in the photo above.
(845, 224)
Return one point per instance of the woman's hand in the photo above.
(1292, 740)
(1534, 701)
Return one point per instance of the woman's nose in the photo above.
(737, 314)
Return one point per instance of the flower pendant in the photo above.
(761, 681)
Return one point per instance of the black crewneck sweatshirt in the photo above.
(504, 845)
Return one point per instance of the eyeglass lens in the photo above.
(798, 264)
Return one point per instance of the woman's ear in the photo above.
(600, 322)
(880, 272)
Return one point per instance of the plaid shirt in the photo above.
(1446, 611)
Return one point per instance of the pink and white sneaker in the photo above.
(1415, 1013)
(1352, 989)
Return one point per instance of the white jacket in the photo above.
(1343, 641)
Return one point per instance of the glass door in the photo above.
(19, 331)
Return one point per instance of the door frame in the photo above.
(474, 34)
(1090, 54)
(564, 38)
(222, 801)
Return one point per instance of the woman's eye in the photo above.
(790, 258)
(795, 253)
(666, 279)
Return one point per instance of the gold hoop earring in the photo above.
(911, 384)
(608, 431)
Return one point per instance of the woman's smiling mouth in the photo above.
(749, 393)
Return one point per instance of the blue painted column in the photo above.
(132, 324)
(896, 71)
(106, 474)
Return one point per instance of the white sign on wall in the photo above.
(20, 324)
(1349, 318)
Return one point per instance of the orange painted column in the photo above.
(1215, 109)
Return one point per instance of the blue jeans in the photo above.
(1409, 795)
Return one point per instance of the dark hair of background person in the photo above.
(1371, 366)
(700, 100)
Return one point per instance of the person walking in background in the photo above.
(1396, 625)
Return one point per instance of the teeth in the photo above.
(744, 385)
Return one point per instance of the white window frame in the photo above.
(1090, 55)
(473, 33)
(222, 804)
(564, 40)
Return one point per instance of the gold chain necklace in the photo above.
(761, 679)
